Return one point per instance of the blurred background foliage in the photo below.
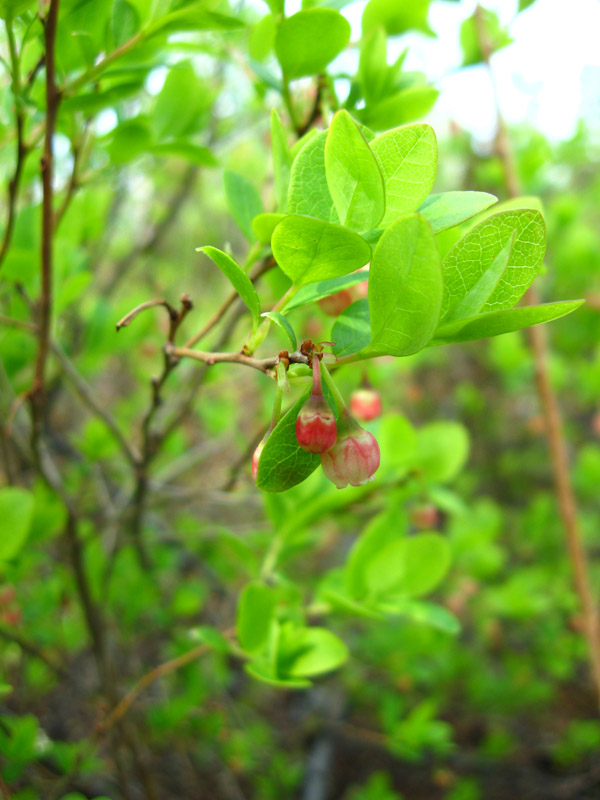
(504, 708)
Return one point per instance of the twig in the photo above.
(81, 386)
(550, 408)
(52, 104)
(155, 674)
(261, 364)
(265, 265)
(148, 445)
(86, 393)
(93, 73)
(32, 649)
(131, 315)
(74, 182)
(152, 242)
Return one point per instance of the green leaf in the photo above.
(449, 209)
(255, 610)
(402, 107)
(424, 613)
(263, 226)
(409, 567)
(470, 36)
(308, 193)
(306, 652)
(372, 66)
(16, 512)
(380, 532)
(397, 17)
(494, 323)
(351, 331)
(282, 160)
(93, 102)
(283, 463)
(193, 17)
(475, 253)
(478, 295)
(180, 102)
(316, 291)
(408, 159)
(124, 22)
(262, 38)
(442, 450)
(129, 140)
(13, 8)
(244, 202)
(194, 153)
(238, 279)
(309, 249)
(405, 287)
(307, 41)
(263, 673)
(284, 324)
(353, 175)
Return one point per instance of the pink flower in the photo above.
(365, 404)
(316, 430)
(354, 459)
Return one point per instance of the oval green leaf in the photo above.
(237, 277)
(405, 287)
(408, 159)
(307, 41)
(310, 250)
(353, 175)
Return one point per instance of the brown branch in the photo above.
(538, 339)
(52, 103)
(155, 674)
(33, 650)
(265, 265)
(86, 393)
(131, 315)
(74, 181)
(261, 364)
(82, 388)
(148, 444)
(152, 242)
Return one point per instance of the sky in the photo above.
(549, 73)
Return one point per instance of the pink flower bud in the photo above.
(334, 304)
(365, 404)
(354, 459)
(424, 517)
(316, 430)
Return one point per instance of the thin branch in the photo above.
(74, 182)
(52, 103)
(148, 444)
(33, 650)
(151, 677)
(83, 389)
(86, 393)
(265, 265)
(131, 315)
(94, 72)
(152, 242)
(261, 364)
(550, 407)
